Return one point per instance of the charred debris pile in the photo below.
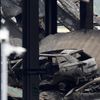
(67, 75)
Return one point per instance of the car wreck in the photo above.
(75, 69)
(75, 62)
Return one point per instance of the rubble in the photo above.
(89, 91)
(68, 12)
(66, 73)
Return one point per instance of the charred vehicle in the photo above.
(66, 69)
(71, 63)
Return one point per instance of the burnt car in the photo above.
(89, 91)
(67, 69)
(68, 64)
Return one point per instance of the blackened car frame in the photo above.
(70, 63)
(66, 71)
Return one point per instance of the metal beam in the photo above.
(86, 14)
(51, 16)
(30, 42)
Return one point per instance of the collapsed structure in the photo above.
(64, 73)
(68, 13)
